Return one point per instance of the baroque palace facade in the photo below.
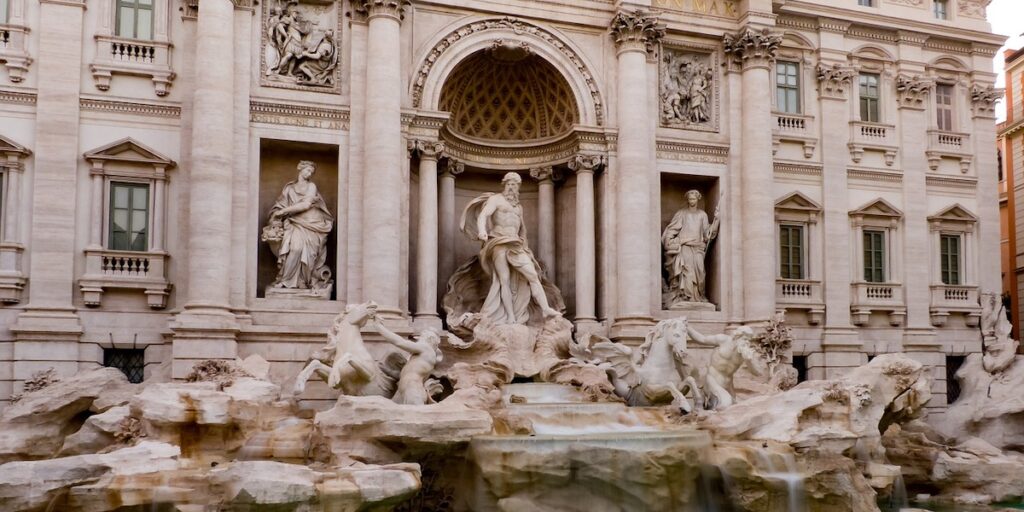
(841, 152)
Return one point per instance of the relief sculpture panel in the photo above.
(301, 45)
(688, 95)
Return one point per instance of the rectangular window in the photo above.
(953, 364)
(131, 362)
(944, 107)
(874, 256)
(129, 217)
(869, 96)
(4, 6)
(800, 363)
(941, 9)
(950, 258)
(134, 19)
(787, 87)
(865, 3)
(791, 252)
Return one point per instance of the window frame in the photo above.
(108, 239)
(796, 90)
(801, 250)
(882, 269)
(866, 3)
(948, 261)
(940, 13)
(136, 6)
(864, 102)
(948, 108)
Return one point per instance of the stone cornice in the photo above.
(298, 115)
(833, 25)
(23, 98)
(752, 47)
(636, 31)
(688, 151)
(72, 3)
(388, 8)
(129, 107)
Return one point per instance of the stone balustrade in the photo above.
(961, 299)
(132, 57)
(125, 270)
(794, 128)
(801, 294)
(866, 136)
(953, 145)
(872, 297)
(14, 51)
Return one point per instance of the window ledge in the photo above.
(801, 294)
(875, 137)
(14, 51)
(12, 279)
(883, 297)
(794, 128)
(960, 299)
(125, 270)
(953, 145)
(119, 55)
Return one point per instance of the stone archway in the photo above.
(456, 44)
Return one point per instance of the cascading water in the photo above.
(782, 466)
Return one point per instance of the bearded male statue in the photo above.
(516, 289)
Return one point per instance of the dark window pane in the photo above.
(132, 362)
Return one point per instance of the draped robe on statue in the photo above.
(302, 255)
(475, 288)
(686, 241)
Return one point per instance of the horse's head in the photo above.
(669, 333)
(358, 314)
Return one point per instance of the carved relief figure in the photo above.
(515, 292)
(730, 353)
(297, 51)
(297, 233)
(685, 241)
(686, 85)
(657, 372)
(415, 385)
(346, 364)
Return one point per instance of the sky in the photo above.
(1007, 18)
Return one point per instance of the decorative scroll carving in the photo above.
(300, 46)
(587, 163)
(453, 167)
(984, 98)
(973, 8)
(834, 80)
(426, 148)
(912, 3)
(750, 46)
(636, 30)
(542, 173)
(371, 8)
(911, 92)
(687, 88)
(519, 27)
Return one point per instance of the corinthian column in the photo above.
(635, 34)
(546, 217)
(426, 240)
(753, 52)
(382, 182)
(446, 220)
(586, 246)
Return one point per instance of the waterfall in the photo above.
(782, 466)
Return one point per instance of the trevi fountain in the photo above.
(507, 411)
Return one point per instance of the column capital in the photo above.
(984, 98)
(751, 47)
(911, 91)
(636, 31)
(587, 163)
(543, 174)
(428, 149)
(834, 81)
(374, 8)
(452, 168)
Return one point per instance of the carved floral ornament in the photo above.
(911, 91)
(984, 98)
(835, 79)
(637, 30)
(752, 46)
(518, 27)
(973, 8)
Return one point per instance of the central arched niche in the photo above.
(507, 93)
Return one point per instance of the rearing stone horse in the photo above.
(657, 373)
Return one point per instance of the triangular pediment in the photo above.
(955, 213)
(877, 208)
(797, 201)
(128, 150)
(8, 146)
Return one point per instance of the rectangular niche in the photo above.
(673, 198)
(278, 162)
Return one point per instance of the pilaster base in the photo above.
(587, 326)
(202, 333)
(421, 322)
(631, 330)
(45, 338)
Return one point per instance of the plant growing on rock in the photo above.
(35, 382)
(221, 372)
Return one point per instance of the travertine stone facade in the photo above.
(846, 147)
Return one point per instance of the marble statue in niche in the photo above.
(685, 243)
(297, 234)
(297, 50)
(687, 80)
(496, 221)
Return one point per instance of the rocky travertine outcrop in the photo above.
(98, 432)
(990, 406)
(34, 427)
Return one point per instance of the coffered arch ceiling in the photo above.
(508, 94)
